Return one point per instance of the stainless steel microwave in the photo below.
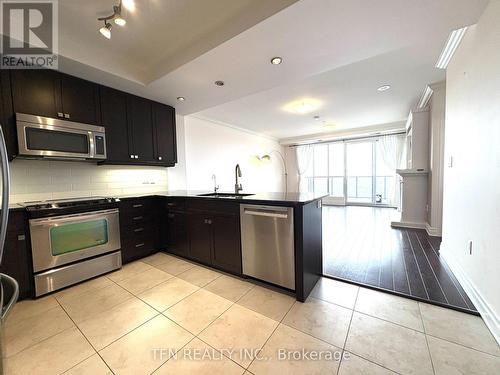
(46, 137)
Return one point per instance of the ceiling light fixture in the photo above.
(384, 88)
(303, 106)
(451, 46)
(116, 17)
(316, 118)
(106, 30)
(181, 98)
(129, 5)
(219, 83)
(276, 60)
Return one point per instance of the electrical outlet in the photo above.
(450, 161)
(469, 247)
(426, 208)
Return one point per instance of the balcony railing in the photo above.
(359, 188)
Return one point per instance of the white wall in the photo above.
(41, 179)
(472, 185)
(177, 175)
(212, 148)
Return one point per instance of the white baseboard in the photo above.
(432, 231)
(487, 313)
(407, 224)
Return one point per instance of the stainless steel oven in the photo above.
(70, 248)
(59, 139)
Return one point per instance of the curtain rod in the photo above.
(354, 138)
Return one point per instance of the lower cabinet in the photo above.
(200, 237)
(174, 233)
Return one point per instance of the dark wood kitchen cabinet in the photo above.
(7, 118)
(174, 238)
(140, 128)
(164, 127)
(16, 261)
(214, 234)
(52, 94)
(114, 119)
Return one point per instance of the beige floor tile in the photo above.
(29, 308)
(86, 305)
(34, 329)
(198, 358)
(84, 287)
(168, 293)
(337, 292)
(386, 306)
(197, 311)
(144, 280)
(199, 276)
(398, 348)
(104, 328)
(354, 365)
(146, 348)
(175, 266)
(287, 341)
(129, 270)
(461, 328)
(237, 329)
(450, 359)
(323, 320)
(157, 259)
(267, 302)
(229, 287)
(91, 366)
(52, 356)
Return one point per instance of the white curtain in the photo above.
(303, 155)
(392, 147)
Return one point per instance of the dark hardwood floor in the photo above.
(359, 246)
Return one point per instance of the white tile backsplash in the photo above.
(40, 179)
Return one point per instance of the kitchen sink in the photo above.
(224, 195)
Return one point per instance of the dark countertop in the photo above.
(280, 198)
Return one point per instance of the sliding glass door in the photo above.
(360, 172)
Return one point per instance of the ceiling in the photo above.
(335, 51)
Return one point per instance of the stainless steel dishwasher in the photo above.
(267, 244)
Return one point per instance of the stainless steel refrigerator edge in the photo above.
(267, 241)
(5, 280)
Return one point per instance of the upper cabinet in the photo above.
(51, 94)
(138, 131)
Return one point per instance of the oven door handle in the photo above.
(71, 218)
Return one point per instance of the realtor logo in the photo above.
(29, 34)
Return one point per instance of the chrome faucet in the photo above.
(214, 179)
(237, 185)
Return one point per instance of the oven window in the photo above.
(67, 238)
(53, 140)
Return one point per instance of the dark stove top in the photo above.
(68, 206)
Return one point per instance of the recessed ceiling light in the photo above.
(181, 98)
(106, 30)
(451, 46)
(219, 83)
(303, 106)
(384, 88)
(276, 60)
(316, 118)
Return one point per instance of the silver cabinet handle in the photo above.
(66, 115)
(159, 158)
(140, 244)
(138, 230)
(137, 205)
(60, 114)
(267, 213)
(131, 156)
(171, 216)
(138, 218)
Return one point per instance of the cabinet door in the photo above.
(226, 243)
(199, 231)
(36, 92)
(114, 119)
(176, 237)
(7, 118)
(80, 100)
(16, 263)
(140, 120)
(164, 121)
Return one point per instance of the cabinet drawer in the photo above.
(213, 206)
(137, 231)
(175, 204)
(128, 219)
(136, 205)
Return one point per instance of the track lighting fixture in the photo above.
(116, 17)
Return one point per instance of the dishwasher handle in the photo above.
(267, 213)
